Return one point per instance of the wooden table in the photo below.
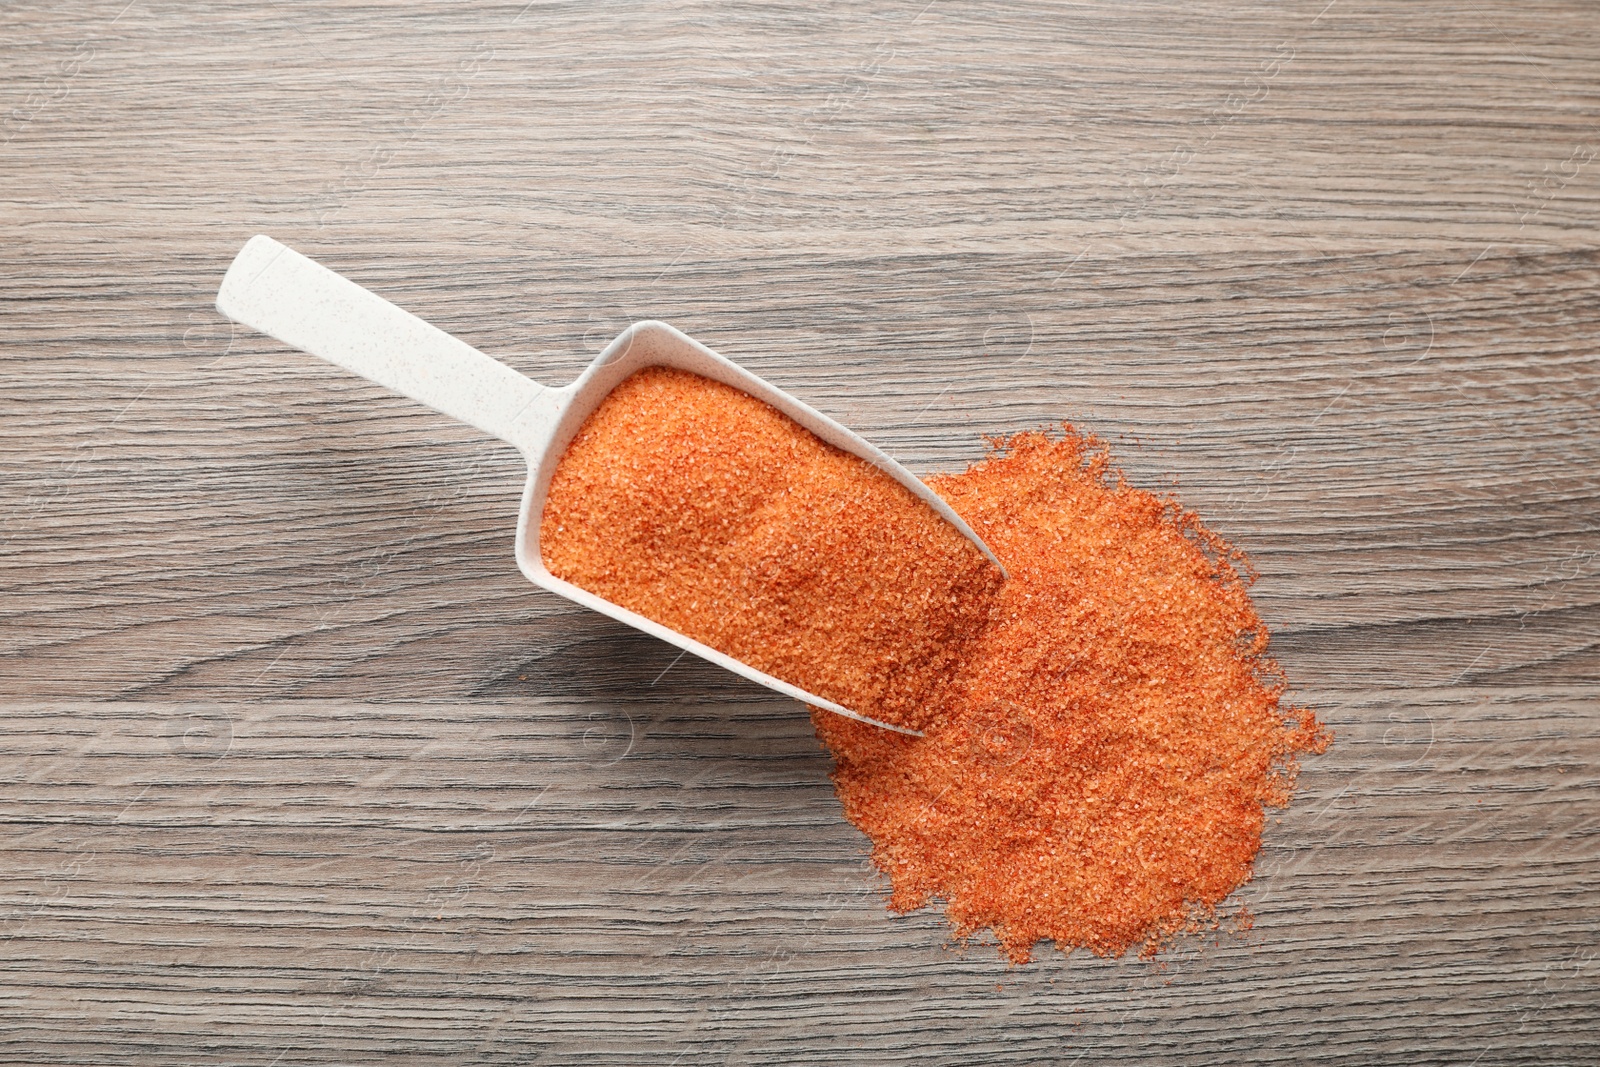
(295, 767)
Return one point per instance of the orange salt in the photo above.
(1100, 772)
(1104, 732)
(710, 512)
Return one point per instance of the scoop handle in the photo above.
(272, 288)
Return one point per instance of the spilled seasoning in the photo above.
(710, 512)
(1099, 773)
(1103, 731)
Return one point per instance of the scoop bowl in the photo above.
(283, 294)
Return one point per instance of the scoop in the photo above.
(276, 290)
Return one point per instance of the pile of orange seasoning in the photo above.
(1099, 772)
(1102, 733)
(708, 511)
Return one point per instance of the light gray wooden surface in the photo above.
(296, 769)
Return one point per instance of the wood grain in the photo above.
(320, 881)
(295, 768)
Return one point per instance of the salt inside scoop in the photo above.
(710, 512)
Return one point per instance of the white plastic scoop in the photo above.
(276, 290)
